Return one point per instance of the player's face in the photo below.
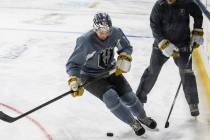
(171, 1)
(102, 35)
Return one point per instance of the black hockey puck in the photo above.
(109, 134)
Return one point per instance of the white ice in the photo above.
(36, 39)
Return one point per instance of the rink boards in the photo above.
(202, 58)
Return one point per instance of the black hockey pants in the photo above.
(99, 87)
(151, 73)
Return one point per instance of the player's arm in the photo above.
(155, 22)
(197, 32)
(124, 58)
(73, 68)
(168, 49)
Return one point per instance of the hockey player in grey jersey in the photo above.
(94, 55)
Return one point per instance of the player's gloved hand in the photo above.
(197, 38)
(123, 64)
(168, 49)
(75, 85)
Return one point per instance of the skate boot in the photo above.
(138, 129)
(149, 122)
(194, 110)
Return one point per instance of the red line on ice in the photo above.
(48, 136)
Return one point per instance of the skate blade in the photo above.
(196, 118)
(144, 136)
(156, 129)
(153, 130)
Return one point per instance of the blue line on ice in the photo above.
(64, 32)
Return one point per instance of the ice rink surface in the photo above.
(36, 39)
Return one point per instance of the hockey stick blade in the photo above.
(6, 117)
(10, 119)
(167, 124)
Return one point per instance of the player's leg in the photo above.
(150, 75)
(105, 92)
(189, 82)
(131, 101)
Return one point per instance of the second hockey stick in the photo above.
(177, 92)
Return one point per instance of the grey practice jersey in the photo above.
(92, 56)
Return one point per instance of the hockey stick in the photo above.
(172, 106)
(10, 119)
(177, 92)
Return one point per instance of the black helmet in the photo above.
(102, 22)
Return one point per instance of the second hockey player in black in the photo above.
(170, 24)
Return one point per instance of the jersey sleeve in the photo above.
(77, 58)
(155, 22)
(196, 13)
(123, 44)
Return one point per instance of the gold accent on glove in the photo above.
(164, 44)
(195, 45)
(78, 93)
(71, 79)
(80, 90)
(122, 57)
(198, 33)
(175, 54)
(118, 72)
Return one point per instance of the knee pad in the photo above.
(111, 99)
(129, 99)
